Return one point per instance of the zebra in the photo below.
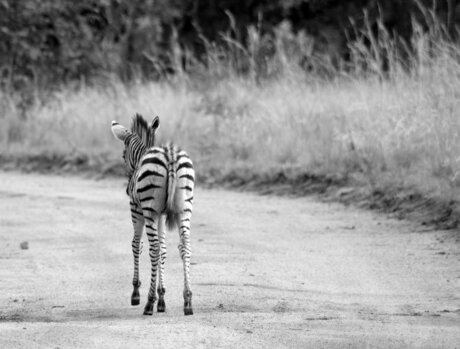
(160, 188)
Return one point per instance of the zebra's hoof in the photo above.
(161, 306)
(135, 297)
(188, 307)
(148, 310)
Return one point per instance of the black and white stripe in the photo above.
(160, 187)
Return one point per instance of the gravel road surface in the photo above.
(267, 272)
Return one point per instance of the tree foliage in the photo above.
(52, 41)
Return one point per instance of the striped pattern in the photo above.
(160, 187)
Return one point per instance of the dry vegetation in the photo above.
(395, 129)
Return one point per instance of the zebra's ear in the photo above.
(155, 123)
(120, 132)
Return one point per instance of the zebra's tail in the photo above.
(171, 215)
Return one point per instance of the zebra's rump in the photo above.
(165, 180)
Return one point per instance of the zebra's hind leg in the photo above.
(154, 252)
(161, 306)
(185, 253)
(138, 224)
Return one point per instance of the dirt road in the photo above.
(268, 272)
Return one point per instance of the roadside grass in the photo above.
(391, 138)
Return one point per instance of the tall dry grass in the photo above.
(396, 126)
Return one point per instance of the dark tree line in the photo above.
(52, 41)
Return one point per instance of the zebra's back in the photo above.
(165, 180)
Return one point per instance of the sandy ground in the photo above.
(268, 272)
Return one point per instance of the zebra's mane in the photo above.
(141, 127)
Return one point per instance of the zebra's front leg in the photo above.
(154, 252)
(161, 306)
(186, 253)
(138, 224)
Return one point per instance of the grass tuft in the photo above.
(393, 129)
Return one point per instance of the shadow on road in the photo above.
(73, 315)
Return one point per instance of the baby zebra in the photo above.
(160, 188)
